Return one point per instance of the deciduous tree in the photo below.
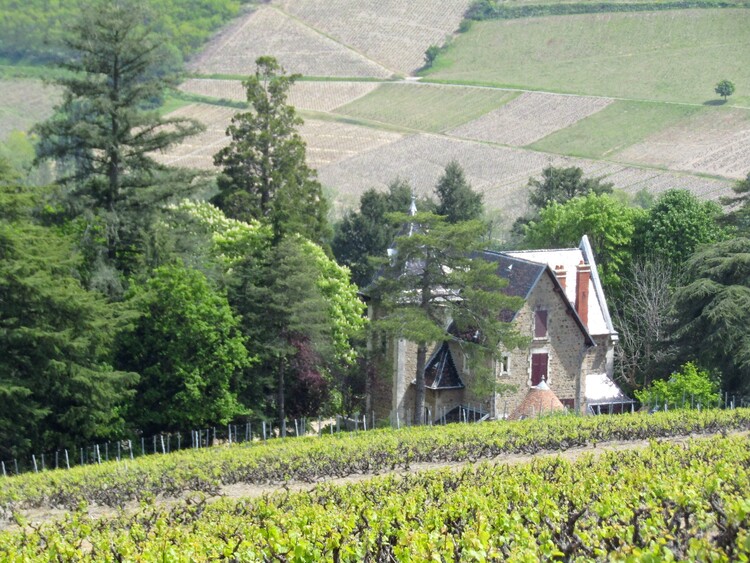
(608, 222)
(187, 347)
(724, 88)
(675, 226)
(645, 321)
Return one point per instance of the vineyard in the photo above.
(351, 158)
(619, 125)
(297, 47)
(426, 107)
(311, 459)
(394, 33)
(24, 102)
(529, 117)
(328, 142)
(715, 142)
(685, 501)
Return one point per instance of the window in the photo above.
(502, 365)
(538, 368)
(540, 323)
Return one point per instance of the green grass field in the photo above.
(424, 107)
(668, 56)
(617, 126)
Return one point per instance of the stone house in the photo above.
(571, 347)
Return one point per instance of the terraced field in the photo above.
(425, 107)
(716, 142)
(501, 173)
(304, 95)
(616, 127)
(530, 117)
(24, 102)
(328, 142)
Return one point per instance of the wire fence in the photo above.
(246, 433)
(261, 431)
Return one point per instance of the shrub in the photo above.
(686, 388)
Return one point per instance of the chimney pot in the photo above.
(560, 274)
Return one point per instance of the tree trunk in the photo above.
(282, 411)
(419, 399)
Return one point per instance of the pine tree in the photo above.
(264, 173)
(457, 201)
(57, 384)
(104, 133)
(284, 316)
(365, 234)
(435, 275)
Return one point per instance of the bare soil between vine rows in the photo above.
(36, 516)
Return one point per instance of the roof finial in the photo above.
(413, 207)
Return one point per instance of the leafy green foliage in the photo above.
(686, 388)
(456, 200)
(187, 347)
(432, 277)
(34, 31)
(57, 383)
(724, 88)
(264, 173)
(430, 55)
(690, 507)
(675, 226)
(713, 310)
(284, 314)
(608, 222)
(234, 241)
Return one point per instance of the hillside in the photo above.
(613, 93)
(628, 96)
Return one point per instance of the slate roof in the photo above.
(522, 276)
(441, 372)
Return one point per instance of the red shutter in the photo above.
(540, 324)
(538, 369)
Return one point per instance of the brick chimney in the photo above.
(583, 275)
(560, 274)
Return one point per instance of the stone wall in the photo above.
(564, 345)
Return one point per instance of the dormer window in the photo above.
(540, 324)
